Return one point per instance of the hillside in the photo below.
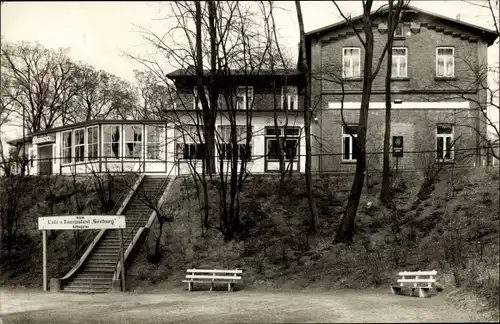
(454, 230)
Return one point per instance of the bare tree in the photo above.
(40, 83)
(346, 230)
(306, 81)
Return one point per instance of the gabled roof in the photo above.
(489, 35)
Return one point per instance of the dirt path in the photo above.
(30, 306)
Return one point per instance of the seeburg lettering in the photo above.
(103, 221)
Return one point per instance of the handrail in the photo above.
(102, 232)
(141, 228)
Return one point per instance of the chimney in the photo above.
(458, 17)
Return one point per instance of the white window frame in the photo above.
(120, 141)
(352, 76)
(444, 63)
(134, 142)
(351, 143)
(282, 136)
(195, 98)
(402, 30)
(158, 147)
(64, 148)
(444, 136)
(397, 59)
(241, 138)
(77, 145)
(244, 90)
(291, 97)
(90, 144)
(187, 134)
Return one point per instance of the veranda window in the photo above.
(133, 141)
(154, 141)
(111, 141)
(79, 135)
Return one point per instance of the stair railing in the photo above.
(161, 190)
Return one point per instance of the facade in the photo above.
(433, 79)
(433, 118)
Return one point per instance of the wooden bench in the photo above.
(421, 280)
(230, 277)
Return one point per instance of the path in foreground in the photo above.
(31, 306)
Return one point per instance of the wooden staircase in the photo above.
(96, 274)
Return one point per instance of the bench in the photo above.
(421, 280)
(230, 277)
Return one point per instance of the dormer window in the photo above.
(399, 31)
(244, 97)
(196, 99)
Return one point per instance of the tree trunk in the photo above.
(313, 212)
(385, 192)
(346, 230)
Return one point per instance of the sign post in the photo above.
(78, 222)
(44, 238)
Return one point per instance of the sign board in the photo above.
(397, 146)
(78, 222)
(44, 139)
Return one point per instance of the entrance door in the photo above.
(45, 160)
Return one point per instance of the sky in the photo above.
(98, 32)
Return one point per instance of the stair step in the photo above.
(85, 290)
(94, 276)
(91, 281)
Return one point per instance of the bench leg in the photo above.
(190, 286)
(211, 285)
(395, 290)
(229, 286)
(423, 292)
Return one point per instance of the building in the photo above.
(433, 90)
(433, 115)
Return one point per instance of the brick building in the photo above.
(434, 63)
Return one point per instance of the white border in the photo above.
(405, 105)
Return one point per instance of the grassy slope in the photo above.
(274, 252)
(24, 267)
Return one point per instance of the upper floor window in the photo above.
(289, 98)
(399, 62)
(444, 142)
(445, 62)
(196, 99)
(351, 62)
(349, 147)
(399, 31)
(244, 97)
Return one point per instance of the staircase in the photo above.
(97, 272)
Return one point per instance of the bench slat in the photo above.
(208, 281)
(417, 280)
(418, 273)
(213, 277)
(237, 271)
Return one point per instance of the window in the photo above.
(244, 97)
(189, 144)
(399, 31)
(444, 142)
(288, 142)
(93, 143)
(445, 62)
(79, 136)
(196, 99)
(111, 141)
(66, 145)
(349, 148)
(225, 147)
(399, 62)
(133, 141)
(154, 138)
(289, 98)
(351, 62)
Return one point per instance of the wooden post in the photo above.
(122, 261)
(44, 239)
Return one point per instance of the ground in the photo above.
(202, 306)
